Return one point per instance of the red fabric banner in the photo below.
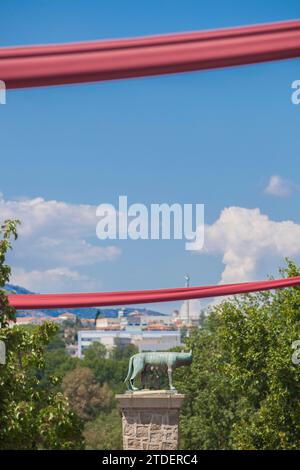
(48, 301)
(31, 66)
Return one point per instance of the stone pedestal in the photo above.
(150, 419)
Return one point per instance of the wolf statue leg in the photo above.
(170, 379)
(138, 367)
(132, 386)
(130, 367)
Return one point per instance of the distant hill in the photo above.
(88, 312)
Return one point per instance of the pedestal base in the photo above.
(150, 419)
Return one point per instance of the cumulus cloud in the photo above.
(194, 308)
(277, 186)
(53, 280)
(250, 243)
(56, 240)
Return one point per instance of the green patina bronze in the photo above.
(142, 362)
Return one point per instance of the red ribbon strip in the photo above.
(48, 301)
(32, 66)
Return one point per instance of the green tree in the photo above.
(242, 387)
(30, 416)
(121, 351)
(56, 342)
(105, 432)
(105, 369)
(87, 398)
(58, 363)
(95, 352)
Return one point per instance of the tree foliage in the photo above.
(243, 388)
(87, 398)
(105, 432)
(110, 368)
(31, 417)
(123, 352)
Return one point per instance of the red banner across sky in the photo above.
(45, 301)
(32, 66)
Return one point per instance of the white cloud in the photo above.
(250, 243)
(277, 186)
(38, 216)
(54, 280)
(56, 239)
(194, 309)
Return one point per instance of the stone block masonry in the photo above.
(150, 419)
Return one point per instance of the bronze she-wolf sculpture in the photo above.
(141, 362)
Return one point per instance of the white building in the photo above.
(106, 323)
(144, 340)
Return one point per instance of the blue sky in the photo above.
(212, 137)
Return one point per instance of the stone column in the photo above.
(150, 419)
